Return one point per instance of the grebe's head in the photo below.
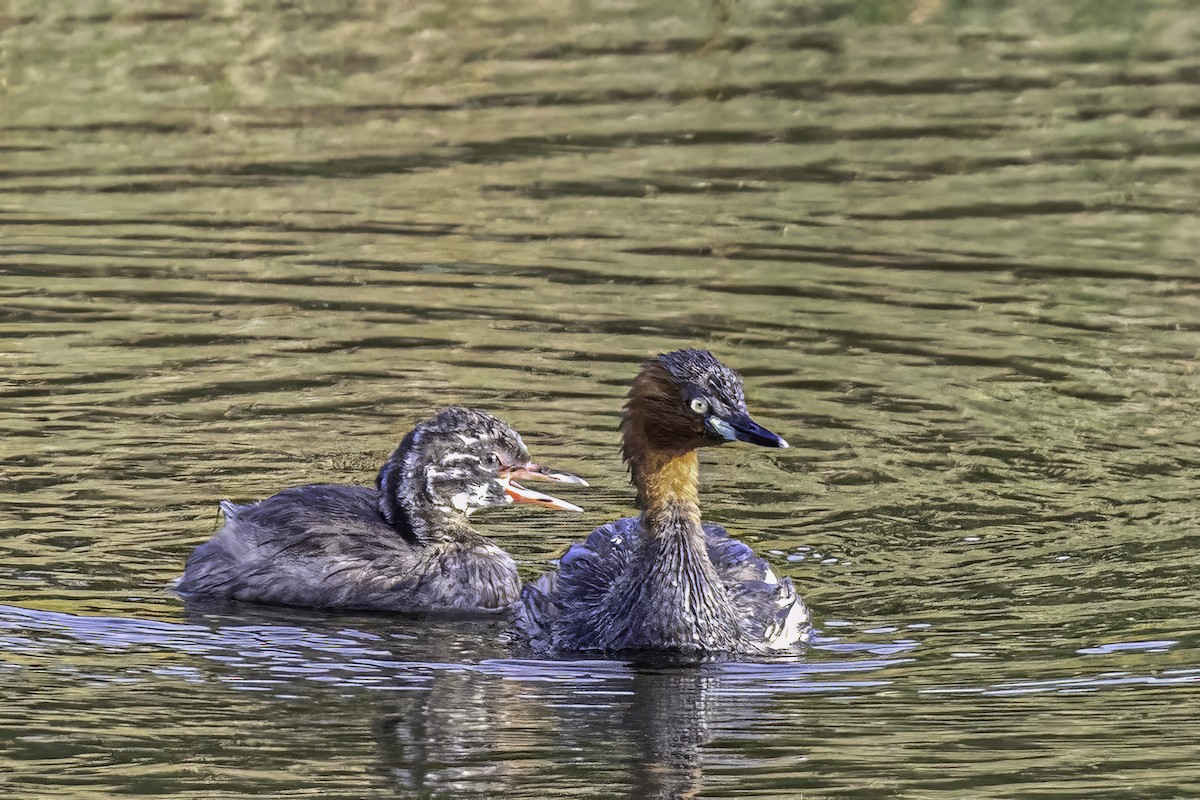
(688, 399)
(460, 461)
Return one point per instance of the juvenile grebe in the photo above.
(405, 546)
(664, 581)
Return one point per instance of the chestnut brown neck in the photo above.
(668, 486)
(659, 442)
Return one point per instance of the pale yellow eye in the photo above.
(700, 405)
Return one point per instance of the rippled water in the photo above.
(951, 245)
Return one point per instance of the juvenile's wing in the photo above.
(321, 545)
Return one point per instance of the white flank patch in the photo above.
(794, 627)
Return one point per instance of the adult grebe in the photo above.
(404, 546)
(664, 581)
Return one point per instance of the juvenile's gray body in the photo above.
(405, 546)
(328, 546)
(620, 590)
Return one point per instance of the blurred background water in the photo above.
(951, 244)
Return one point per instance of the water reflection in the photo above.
(454, 714)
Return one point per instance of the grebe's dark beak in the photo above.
(743, 429)
(519, 494)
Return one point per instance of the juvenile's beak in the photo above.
(744, 429)
(519, 494)
(532, 471)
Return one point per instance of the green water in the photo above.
(951, 246)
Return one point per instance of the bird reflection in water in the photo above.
(548, 724)
(451, 712)
(456, 716)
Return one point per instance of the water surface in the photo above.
(951, 246)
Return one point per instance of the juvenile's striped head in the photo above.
(457, 462)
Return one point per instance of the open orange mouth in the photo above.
(520, 494)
